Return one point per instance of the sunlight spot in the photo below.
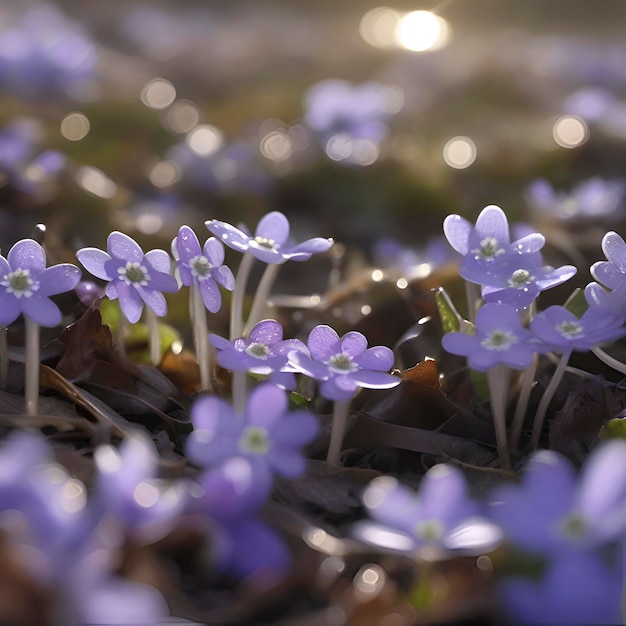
(420, 31)
(96, 182)
(75, 126)
(158, 93)
(205, 140)
(570, 131)
(378, 26)
(182, 116)
(459, 152)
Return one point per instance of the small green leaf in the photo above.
(451, 320)
(614, 429)
(576, 303)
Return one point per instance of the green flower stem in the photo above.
(31, 381)
(197, 315)
(609, 360)
(239, 294)
(528, 378)
(4, 358)
(498, 383)
(153, 336)
(548, 394)
(472, 291)
(259, 304)
(240, 391)
(340, 417)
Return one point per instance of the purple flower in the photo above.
(609, 302)
(202, 267)
(561, 331)
(269, 243)
(441, 515)
(499, 338)
(344, 364)
(553, 512)
(26, 284)
(611, 273)
(268, 436)
(134, 277)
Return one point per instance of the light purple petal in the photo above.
(529, 244)
(392, 504)
(220, 342)
(231, 236)
(460, 343)
(213, 413)
(274, 226)
(378, 358)
(339, 388)
(323, 342)
(289, 345)
(5, 268)
(214, 251)
(518, 357)
(492, 222)
(266, 405)
(210, 294)
(10, 309)
(443, 492)
(271, 256)
(162, 282)
(224, 276)
(608, 274)
(121, 246)
(93, 260)
(556, 277)
(297, 429)
(267, 332)
(130, 302)
(187, 244)
(58, 279)
(484, 360)
(305, 365)
(154, 299)
(159, 260)
(288, 463)
(27, 254)
(374, 380)
(353, 343)
(497, 316)
(304, 250)
(457, 231)
(41, 310)
(614, 249)
(111, 290)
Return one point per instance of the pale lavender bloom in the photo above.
(26, 284)
(605, 301)
(555, 512)
(499, 338)
(202, 267)
(270, 241)
(560, 330)
(440, 515)
(345, 364)
(134, 277)
(612, 272)
(592, 198)
(267, 435)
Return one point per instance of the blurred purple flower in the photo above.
(270, 242)
(134, 277)
(561, 331)
(268, 436)
(26, 284)
(499, 338)
(202, 267)
(440, 515)
(344, 364)
(592, 198)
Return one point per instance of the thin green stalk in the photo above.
(197, 314)
(31, 377)
(498, 382)
(4, 358)
(239, 294)
(548, 394)
(609, 360)
(341, 409)
(259, 304)
(154, 337)
(528, 377)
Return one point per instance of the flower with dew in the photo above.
(202, 267)
(270, 241)
(344, 364)
(266, 434)
(134, 278)
(612, 272)
(499, 338)
(263, 352)
(441, 515)
(26, 284)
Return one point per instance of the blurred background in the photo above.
(361, 122)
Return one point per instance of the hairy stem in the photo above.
(240, 391)
(472, 291)
(31, 382)
(340, 417)
(609, 360)
(528, 377)
(259, 304)
(202, 347)
(154, 337)
(498, 382)
(239, 294)
(4, 358)
(548, 394)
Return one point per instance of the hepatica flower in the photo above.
(26, 284)
(270, 241)
(612, 272)
(134, 278)
(499, 338)
(202, 267)
(266, 434)
(342, 365)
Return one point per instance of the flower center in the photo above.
(498, 340)
(573, 526)
(20, 283)
(134, 273)
(570, 330)
(258, 350)
(200, 267)
(489, 249)
(342, 363)
(265, 242)
(429, 530)
(520, 278)
(254, 440)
